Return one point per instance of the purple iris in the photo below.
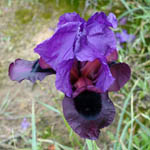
(83, 56)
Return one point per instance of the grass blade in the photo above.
(132, 119)
(122, 114)
(34, 143)
(89, 144)
(50, 107)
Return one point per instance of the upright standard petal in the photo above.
(87, 116)
(60, 46)
(121, 72)
(100, 35)
(69, 17)
(29, 70)
(113, 20)
(100, 18)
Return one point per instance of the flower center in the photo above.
(88, 104)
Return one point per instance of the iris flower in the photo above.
(83, 56)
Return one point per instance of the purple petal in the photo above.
(63, 77)
(85, 51)
(60, 47)
(89, 128)
(100, 18)
(105, 79)
(113, 20)
(121, 72)
(100, 35)
(70, 17)
(30, 70)
(94, 42)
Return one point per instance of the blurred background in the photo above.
(31, 115)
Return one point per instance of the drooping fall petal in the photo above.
(121, 72)
(86, 119)
(30, 70)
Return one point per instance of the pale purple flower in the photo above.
(24, 124)
(124, 37)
